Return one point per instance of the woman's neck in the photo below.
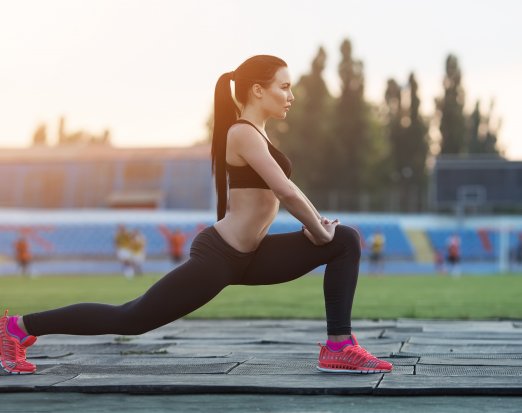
(254, 117)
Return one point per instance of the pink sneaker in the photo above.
(12, 351)
(351, 359)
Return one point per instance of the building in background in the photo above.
(93, 176)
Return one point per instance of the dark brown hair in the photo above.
(258, 69)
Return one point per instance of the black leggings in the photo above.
(213, 265)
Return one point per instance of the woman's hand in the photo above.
(329, 227)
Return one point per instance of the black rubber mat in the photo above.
(401, 361)
(216, 368)
(313, 362)
(398, 369)
(460, 348)
(266, 369)
(490, 371)
(476, 340)
(263, 370)
(283, 363)
(220, 383)
(39, 353)
(404, 385)
(433, 336)
(412, 329)
(461, 355)
(470, 362)
(294, 368)
(101, 348)
(472, 358)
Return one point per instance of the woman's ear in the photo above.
(257, 90)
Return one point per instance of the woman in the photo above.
(236, 249)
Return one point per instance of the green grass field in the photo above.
(467, 297)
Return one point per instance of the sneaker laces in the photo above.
(359, 350)
(367, 358)
(359, 355)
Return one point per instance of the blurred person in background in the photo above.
(137, 247)
(176, 243)
(237, 249)
(453, 254)
(376, 242)
(22, 255)
(122, 241)
(177, 239)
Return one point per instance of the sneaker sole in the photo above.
(347, 371)
(18, 373)
(15, 372)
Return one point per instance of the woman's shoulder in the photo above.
(241, 128)
(242, 132)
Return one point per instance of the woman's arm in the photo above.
(254, 150)
(317, 214)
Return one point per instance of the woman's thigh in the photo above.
(285, 257)
(179, 292)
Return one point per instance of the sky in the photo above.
(146, 69)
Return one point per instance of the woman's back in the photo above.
(252, 205)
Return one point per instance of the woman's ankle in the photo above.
(339, 338)
(16, 327)
(337, 343)
(21, 325)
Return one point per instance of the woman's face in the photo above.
(278, 97)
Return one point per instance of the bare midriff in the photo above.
(246, 222)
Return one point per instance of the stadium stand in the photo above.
(70, 176)
(69, 241)
(96, 240)
(475, 244)
(397, 245)
(514, 243)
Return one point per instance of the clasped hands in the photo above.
(328, 226)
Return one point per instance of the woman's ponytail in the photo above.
(258, 69)
(226, 113)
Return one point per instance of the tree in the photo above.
(482, 139)
(40, 135)
(338, 145)
(351, 125)
(378, 163)
(450, 107)
(407, 134)
(416, 140)
(393, 101)
(304, 133)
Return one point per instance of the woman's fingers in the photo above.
(325, 220)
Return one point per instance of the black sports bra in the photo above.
(246, 177)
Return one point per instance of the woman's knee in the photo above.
(349, 237)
